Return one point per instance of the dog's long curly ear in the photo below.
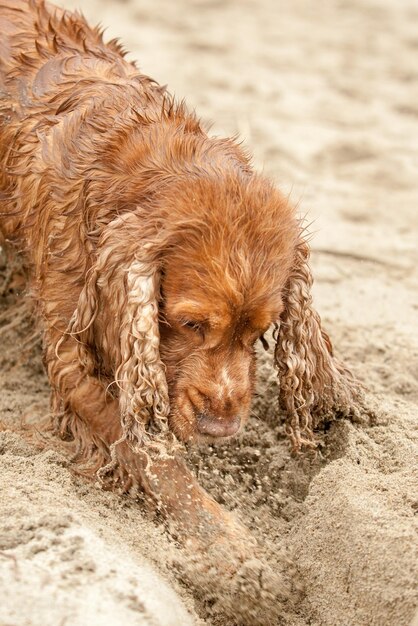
(140, 373)
(117, 315)
(314, 386)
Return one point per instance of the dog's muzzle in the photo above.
(217, 426)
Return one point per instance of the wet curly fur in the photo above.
(157, 257)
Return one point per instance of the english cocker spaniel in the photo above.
(157, 259)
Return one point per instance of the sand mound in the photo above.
(60, 561)
(356, 546)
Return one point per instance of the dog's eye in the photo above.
(195, 326)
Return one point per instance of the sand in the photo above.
(325, 95)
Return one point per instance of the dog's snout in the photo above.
(214, 426)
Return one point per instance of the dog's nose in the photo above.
(217, 426)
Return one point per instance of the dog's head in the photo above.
(223, 276)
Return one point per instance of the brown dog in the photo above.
(157, 259)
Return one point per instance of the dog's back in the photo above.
(55, 74)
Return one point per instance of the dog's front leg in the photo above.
(193, 515)
(221, 558)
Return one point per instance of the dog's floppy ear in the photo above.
(117, 315)
(314, 385)
(140, 373)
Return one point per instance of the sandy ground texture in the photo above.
(325, 95)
